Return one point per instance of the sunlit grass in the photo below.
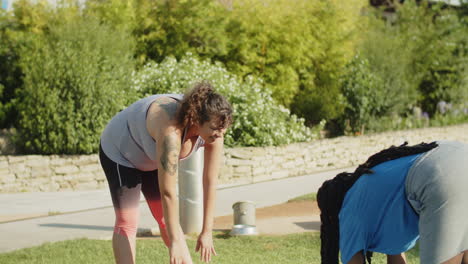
(288, 249)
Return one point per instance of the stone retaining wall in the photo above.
(34, 173)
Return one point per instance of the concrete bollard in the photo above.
(191, 192)
(244, 213)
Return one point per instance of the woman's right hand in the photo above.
(179, 253)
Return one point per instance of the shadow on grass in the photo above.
(222, 233)
(309, 225)
(72, 226)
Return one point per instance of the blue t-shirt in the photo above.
(376, 215)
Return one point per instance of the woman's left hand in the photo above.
(205, 246)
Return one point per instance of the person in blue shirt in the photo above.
(396, 197)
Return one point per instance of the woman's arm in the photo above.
(212, 158)
(358, 258)
(161, 125)
(168, 149)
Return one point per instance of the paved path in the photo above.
(90, 214)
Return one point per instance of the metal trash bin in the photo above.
(244, 219)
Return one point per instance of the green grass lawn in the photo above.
(293, 249)
(306, 197)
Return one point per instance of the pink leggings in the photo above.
(127, 213)
(125, 185)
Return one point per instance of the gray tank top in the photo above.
(126, 140)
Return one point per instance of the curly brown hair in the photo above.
(201, 103)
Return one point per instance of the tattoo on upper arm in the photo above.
(170, 154)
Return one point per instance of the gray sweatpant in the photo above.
(437, 188)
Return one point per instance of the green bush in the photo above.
(76, 77)
(119, 14)
(416, 59)
(258, 119)
(364, 94)
(10, 72)
(411, 121)
(389, 55)
(420, 55)
(27, 18)
(272, 41)
(438, 52)
(169, 28)
(334, 32)
(299, 46)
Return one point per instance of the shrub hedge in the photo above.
(418, 57)
(321, 60)
(76, 76)
(297, 46)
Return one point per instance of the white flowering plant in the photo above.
(258, 119)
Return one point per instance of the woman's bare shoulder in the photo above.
(161, 117)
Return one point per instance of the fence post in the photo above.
(191, 192)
